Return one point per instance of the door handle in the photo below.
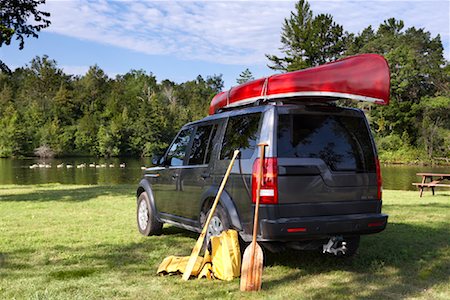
(174, 176)
(205, 175)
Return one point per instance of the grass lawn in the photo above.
(81, 242)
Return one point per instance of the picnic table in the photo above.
(432, 180)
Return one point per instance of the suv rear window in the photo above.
(242, 134)
(343, 142)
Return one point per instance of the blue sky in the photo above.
(180, 40)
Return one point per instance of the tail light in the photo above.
(269, 185)
(379, 180)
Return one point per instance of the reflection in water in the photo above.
(65, 171)
(399, 177)
(17, 171)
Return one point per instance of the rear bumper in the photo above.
(292, 229)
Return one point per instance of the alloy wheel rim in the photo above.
(215, 227)
(143, 215)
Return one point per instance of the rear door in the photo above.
(324, 156)
(195, 177)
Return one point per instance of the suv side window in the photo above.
(177, 151)
(202, 144)
(242, 134)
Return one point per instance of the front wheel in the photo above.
(146, 220)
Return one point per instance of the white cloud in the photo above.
(75, 70)
(237, 32)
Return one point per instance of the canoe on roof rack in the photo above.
(363, 77)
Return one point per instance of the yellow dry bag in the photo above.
(223, 263)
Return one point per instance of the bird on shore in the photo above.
(122, 165)
(60, 165)
(34, 166)
(111, 165)
(69, 166)
(81, 166)
(102, 165)
(47, 166)
(92, 165)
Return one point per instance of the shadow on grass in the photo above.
(72, 274)
(417, 254)
(65, 262)
(425, 205)
(75, 194)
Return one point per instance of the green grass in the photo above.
(81, 242)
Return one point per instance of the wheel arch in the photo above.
(225, 201)
(144, 186)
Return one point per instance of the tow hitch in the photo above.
(335, 245)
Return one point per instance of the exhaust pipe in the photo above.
(335, 245)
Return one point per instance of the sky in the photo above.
(183, 39)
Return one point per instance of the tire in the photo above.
(352, 244)
(145, 217)
(219, 222)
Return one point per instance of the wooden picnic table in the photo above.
(432, 180)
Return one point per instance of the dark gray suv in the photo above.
(321, 187)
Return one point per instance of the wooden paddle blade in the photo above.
(193, 258)
(252, 267)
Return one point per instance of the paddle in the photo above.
(252, 262)
(198, 245)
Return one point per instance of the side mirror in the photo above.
(156, 160)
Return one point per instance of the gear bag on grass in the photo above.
(224, 263)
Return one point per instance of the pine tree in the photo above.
(308, 41)
(245, 76)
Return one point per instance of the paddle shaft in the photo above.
(198, 245)
(262, 149)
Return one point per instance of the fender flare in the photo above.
(226, 202)
(144, 186)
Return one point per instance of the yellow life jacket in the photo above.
(223, 263)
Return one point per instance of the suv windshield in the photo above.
(342, 142)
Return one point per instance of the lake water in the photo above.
(17, 171)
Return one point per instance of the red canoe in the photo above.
(362, 77)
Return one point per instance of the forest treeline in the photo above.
(45, 111)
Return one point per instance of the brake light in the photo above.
(296, 229)
(375, 224)
(379, 180)
(269, 185)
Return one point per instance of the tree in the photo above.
(245, 76)
(435, 125)
(308, 41)
(15, 16)
(11, 135)
(417, 72)
(41, 82)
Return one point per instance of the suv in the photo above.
(321, 187)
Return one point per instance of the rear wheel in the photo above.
(219, 222)
(146, 220)
(352, 245)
